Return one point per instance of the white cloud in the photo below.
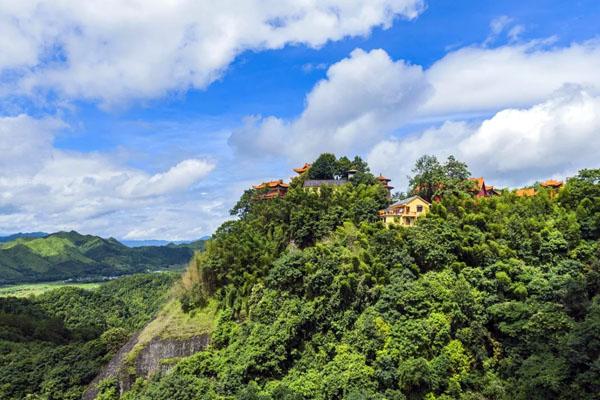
(45, 188)
(369, 96)
(178, 177)
(363, 97)
(477, 79)
(114, 51)
(514, 147)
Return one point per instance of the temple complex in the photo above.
(272, 189)
(552, 185)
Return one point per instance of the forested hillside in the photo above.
(53, 345)
(490, 298)
(70, 255)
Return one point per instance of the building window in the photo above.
(407, 209)
(419, 208)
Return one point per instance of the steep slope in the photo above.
(70, 255)
(53, 344)
(484, 298)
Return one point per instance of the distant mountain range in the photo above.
(140, 243)
(9, 238)
(31, 257)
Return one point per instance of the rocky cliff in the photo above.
(171, 336)
(157, 356)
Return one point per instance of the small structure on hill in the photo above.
(405, 212)
(525, 192)
(480, 189)
(272, 189)
(386, 184)
(551, 184)
(317, 183)
(492, 191)
(302, 169)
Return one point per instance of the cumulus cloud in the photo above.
(361, 99)
(369, 96)
(113, 51)
(42, 186)
(479, 79)
(514, 147)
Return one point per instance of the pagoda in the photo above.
(386, 184)
(551, 184)
(302, 169)
(272, 189)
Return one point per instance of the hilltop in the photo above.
(70, 255)
(308, 295)
(14, 236)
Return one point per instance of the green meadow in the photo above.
(34, 289)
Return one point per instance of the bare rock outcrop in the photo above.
(148, 361)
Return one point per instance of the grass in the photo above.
(45, 247)
(172, 323)
(34, 289)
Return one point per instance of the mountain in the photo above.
(311, 296)
(9, 238)
(155, 242)
(70, 255)
(150, 242)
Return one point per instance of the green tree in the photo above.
(324, 167)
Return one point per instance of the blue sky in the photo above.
(149, 124)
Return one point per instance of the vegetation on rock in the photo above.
(54, 344)
(491, 298)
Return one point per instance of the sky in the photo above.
(146, 119)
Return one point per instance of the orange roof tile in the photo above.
(302, 169)
(552, 183)
(479, 181)
(383, 178)
(527, 192)
(272, 184)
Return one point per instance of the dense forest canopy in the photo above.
(485, 298)
(54, 344)
(70, 255)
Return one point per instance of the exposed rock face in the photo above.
(147, 362)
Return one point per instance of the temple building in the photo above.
(405, 212)
(302, 169)
(525, 192)
(552, 185)
(480, 189)
(272, 189)
(386, 184)
(317, 183)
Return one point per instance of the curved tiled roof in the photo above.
(551, 183)
(479, 181)
(272, 184)
(383, 178)
(527, 192)
(303, 168)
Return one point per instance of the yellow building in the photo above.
(405, 212)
